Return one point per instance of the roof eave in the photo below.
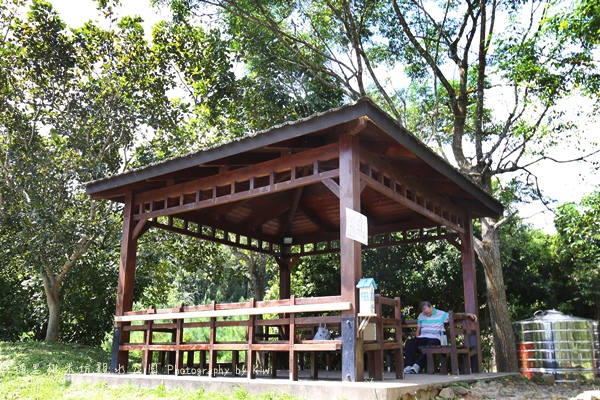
(318, 122)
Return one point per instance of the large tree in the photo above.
(73, 102)
(446, 56)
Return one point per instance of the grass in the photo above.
(35, 370)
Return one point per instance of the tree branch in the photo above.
(505, 220)
(82, 247)
(288, 40)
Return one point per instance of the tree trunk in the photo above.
(488, 251)
(52, 299)
(52, 285)
(257, 267)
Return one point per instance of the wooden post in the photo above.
(399, 359)
(212, 338)
(286, 263)
(470, 287)
(147, 353)
(293, 356)
(251, 353)
(350, 252)
(178, 341)
(120, 359)
(377, 355)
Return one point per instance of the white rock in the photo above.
(589, 395)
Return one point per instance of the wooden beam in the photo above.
(333, 186)
(292, 212)
(356, 126)
(314, 218)
(269, 212)
(390, 241)
(269, 250)
(324, 153)
(228, 198)
(127, 261)
(217, 212)
(140, 228)
(285, 264)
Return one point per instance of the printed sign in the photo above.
(356, 226)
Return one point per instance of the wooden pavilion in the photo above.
(287, 192)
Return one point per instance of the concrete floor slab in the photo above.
(328, 387)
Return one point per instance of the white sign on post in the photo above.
(356, 226)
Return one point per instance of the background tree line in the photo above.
(83, 103)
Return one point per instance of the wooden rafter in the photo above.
(235, 239)
(322, 225)
(279, 209)
(285, 228)
(383, 178)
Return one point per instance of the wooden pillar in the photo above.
(293, 355)
(119, 359)
(350, 252)
(285, 263)
(251, 353)
(470, 286)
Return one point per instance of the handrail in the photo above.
(320, 307)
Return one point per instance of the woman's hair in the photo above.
(425, 304)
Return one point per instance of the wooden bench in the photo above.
(457, 327)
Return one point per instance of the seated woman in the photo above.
(430, 324)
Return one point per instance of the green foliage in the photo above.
(73, 102)
(533, 277)
(225, 77)
(416, 273)
(578, 250)
(316, 276)
(576, 26)
(89, 303)
(557, 271)
(201, 61)
(18, 308)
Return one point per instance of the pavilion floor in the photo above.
(328, 386)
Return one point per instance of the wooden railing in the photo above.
(269, 327)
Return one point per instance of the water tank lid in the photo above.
(552, 316)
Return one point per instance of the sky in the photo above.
(76, 12)
(562, 182)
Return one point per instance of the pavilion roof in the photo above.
(294, 154)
